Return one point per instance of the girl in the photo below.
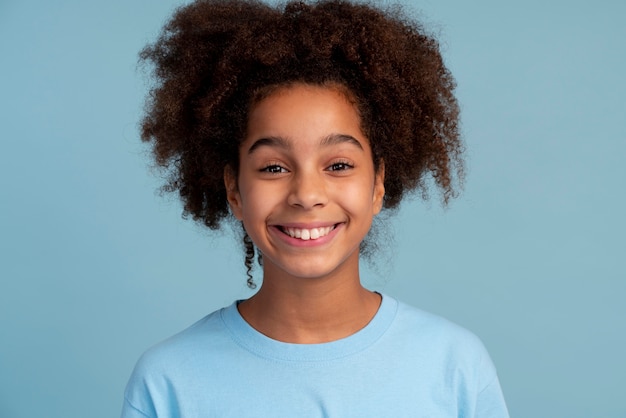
(301, 124)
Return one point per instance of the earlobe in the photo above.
(379, 188)
(232, 192)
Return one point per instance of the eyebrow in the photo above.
(279, 142)
(271, 141)
(336, 139)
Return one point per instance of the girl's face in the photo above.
(307, 190)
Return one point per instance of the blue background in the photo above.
(95, 267)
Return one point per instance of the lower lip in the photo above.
(305, 243)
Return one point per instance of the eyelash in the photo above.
(340, 166)
(279, 169)
(274, 169)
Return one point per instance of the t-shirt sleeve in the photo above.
(490, 402)
(137, 397)
(130, 411)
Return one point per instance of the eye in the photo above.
(340, 166)
(273, 169)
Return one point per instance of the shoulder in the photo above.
(183, 350)
(421, 324)
(179, 361)
(444, 360)
(442, 341)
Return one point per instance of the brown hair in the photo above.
(215, 58)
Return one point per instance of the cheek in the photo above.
(256, 202)
(357, 198)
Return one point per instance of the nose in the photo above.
(308, 190)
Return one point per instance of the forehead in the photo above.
(301, 110)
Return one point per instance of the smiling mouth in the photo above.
(307, 234)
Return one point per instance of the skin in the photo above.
(305, 164)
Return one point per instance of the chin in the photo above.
(316, 268)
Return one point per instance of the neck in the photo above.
(310, 310)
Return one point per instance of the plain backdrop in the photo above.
(95, 267)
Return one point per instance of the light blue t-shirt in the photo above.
(404, 363)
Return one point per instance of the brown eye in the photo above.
(340, 166)
(274, 169)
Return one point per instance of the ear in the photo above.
(232, 192)
(379, 188)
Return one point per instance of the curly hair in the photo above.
(217, 58)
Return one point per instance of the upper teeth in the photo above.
(307, 234)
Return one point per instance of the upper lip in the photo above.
(306, 225)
